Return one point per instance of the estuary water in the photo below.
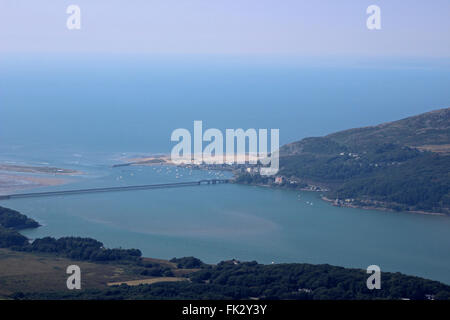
(88, 114)
(221, 222)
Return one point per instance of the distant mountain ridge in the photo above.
(403, 165)
(420, 131)
(428, 129)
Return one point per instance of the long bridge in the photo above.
(113, 189)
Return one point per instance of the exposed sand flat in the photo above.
(10, 183)
(25, 178)
(148, 161)
(33, 169)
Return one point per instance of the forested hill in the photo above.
(15, 220)
(403, 165)
(422, 131)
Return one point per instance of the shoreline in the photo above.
(10, 183)
(385, 209)
(35, 169)
(165, 160)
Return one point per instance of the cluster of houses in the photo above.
(353, 155)
(342, 202)
(280, 180)
(252, 170)
(286, 181)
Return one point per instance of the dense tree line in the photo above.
(10, 222)
(188, 262)
(81, 249)
(77, 248)
(71, 247)
(13, 219)
(85, 249)
(249, 280)
(10, 238)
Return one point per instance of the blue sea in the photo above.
(89, 112)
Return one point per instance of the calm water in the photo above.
(88, 115)
(222, 222)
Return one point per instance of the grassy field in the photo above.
(30, 272)
(178, 272)
(147, 281)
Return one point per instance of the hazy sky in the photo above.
(240, 27)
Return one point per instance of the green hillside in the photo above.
(403, 165)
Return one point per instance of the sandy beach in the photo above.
(166, 159)
(33, 169)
